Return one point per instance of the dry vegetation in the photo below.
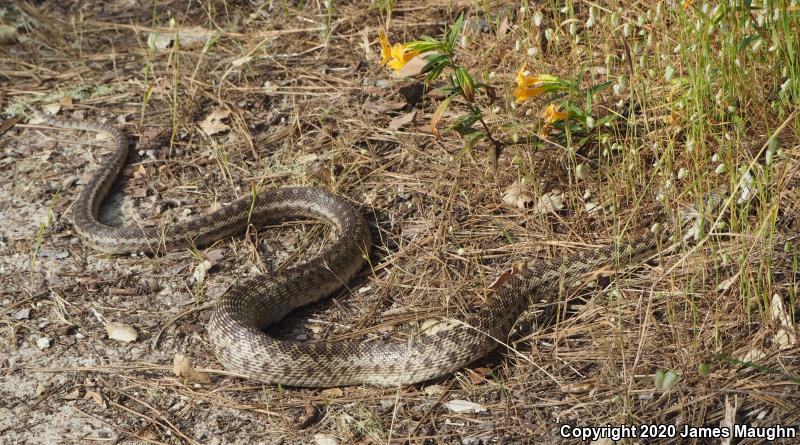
(221, 98)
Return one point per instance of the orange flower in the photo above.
(552, 115)
(395, 57)
(532, 86)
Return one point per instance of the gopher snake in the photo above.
(236, 327)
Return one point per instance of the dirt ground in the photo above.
(277, 93)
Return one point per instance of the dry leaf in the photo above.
(332, 393)
(753, 355)
(182, 367)
(478, 375)
(464, 406)
(98, 399)
(404, 119)
(785, 337)
(215, 255)
(503, 279)
(383, 107)
(434, 390)
(75, 394)
(413, 67)
(213, 124)
(139, 172)
(550, 202)
(52, 109)
(121, 332)
(188, 37)
(578, 388)
(200, 271)
(519, 195)
(7, 34)
(325, 439)
(502, 29)
(241, 61)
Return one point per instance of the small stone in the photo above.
(21, 314)
(121, 332)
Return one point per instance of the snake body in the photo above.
(236, 329)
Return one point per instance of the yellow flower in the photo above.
(552, 115)
(531, 86)
(386, 51)
(395, 57)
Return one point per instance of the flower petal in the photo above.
(386, 51)
(523, 93)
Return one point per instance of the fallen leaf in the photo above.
(404, 119)
(188, 37)
(434, 390)
(215, 255)
(139, 172)
(52, 109)
(241, 61)
(478, 375)
(307, 158)
(383, 107)
(200, 271)
(332, 393)
(753, 355)
(502, 29)
(213, 124)
(518, 194)
(94, 395)
(182, 367)
(578, 388)
(121, 332)
(582, 171)
(75, 394)
(464, 406)
(550, 202)
(413, 67)
(325, 439)
(505, 276)
(7, 34)
(785, 336)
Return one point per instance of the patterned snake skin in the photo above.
(236, 329)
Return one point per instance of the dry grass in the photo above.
(305, 101)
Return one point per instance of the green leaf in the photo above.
(424, 46)
(437, 115)
(453, 34)
(463, 124)
(748, 40)
(465, 82)
(471, 139)
(445, 91)
(435, 72)
(594, 89)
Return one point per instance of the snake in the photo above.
(238, 330)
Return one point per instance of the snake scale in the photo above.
(236, 329)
